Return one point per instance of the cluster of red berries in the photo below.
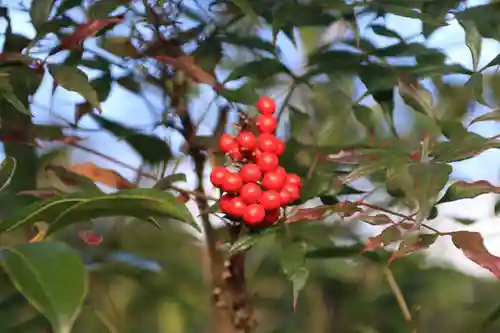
(256, 192)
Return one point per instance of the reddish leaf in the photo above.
(315, 213)
(387, 236)
(413, 244)
(105, 176)
(472, 245)
(87, 30)
(187, 64)
(465, 190)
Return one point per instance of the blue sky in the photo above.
(132, 110)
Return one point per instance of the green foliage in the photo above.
(341, 115)
(52, 277)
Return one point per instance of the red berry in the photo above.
(273, 180)
(266, 105)
(227, 143)
(293, 190)
(285, 198)
(270, 200)
(254, 215)
(225, 203)
(232, 183)
(272, 216)
(282, 171)
(266, 124)
(279, 147)
(267, 143)
(247, 140)
(237, 207)
(267, 162)
(250, 173)
(250, 193)
(217, 175)
(236, 154)
(294, 179)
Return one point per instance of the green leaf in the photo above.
(246, 94)
(467, 190)
(493, 115)
(258, 69)
(73, 79)
(428, 180)
(473, 40)
(152, 149)
(247, 9)
(102, 85)
(7, 93)
(166, 182)
(129, 83)
(419, 99)
(102, 9)
(7, 169)
(462, 148)
(250, 42)
(365, 116)
(40, 11)
(293, 263)
(300, 127)
(67, 5)
(475, 84)
(144, 204)
(45, 210)
(244, 243)
(119, 46)
(52, 277)
(384, 31)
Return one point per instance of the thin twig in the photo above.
(403, 306)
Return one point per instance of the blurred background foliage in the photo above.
(145, 281)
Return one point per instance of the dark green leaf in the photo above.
(384, 31)
(52, 277)
(246, 94)
(129, 83)
(258, 69)
(119, 46)
(293, 263)
(465, 221)
(208, 54)
(473, 40)
(67, 5)
(73, 79)
(7, 93)
(102, 85)
(248, 42)
(166, 183)
(144, 204)
(247, 9)
(300, 127)
(102, 9)
(467, 190)
(151, 148)
(7, 169)
(40, 11)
